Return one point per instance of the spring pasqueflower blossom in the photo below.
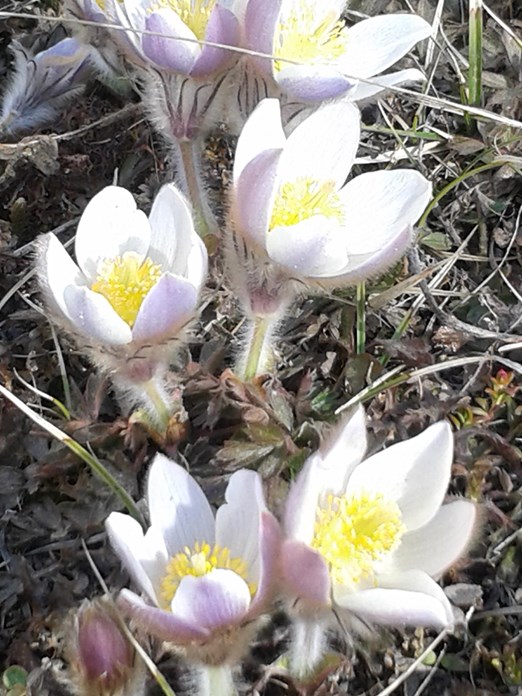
(291, 206)
(172, 35)
(204, 578)
(368, 537)
(42, 83)
(325, 58)
(137, 281)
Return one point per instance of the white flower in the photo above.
(200, 575)
(291, 204)
(316, 57)
(137, 281)
(369, 536)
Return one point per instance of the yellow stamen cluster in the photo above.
(353, 533)
(199, 561)
(125, 281)
(302, 199)
(304, 37)
(194, 13)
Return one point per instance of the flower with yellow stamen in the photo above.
(368, 535)
(137, 281)
(312, 55)
(203, 576)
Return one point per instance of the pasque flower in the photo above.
(314, 56)
(173, 36)
(291, 206)
(367, 536)
(204, 579)
(42, 83)
(137, 281)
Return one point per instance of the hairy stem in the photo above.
(216, 681)
(161, 411)
(190, 179)
(307, 648)
(258, 354)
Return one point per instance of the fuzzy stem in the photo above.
(160, 407)
(190, 179)
(361, 318)
(307, 648)
(258, 350)
(216, 681)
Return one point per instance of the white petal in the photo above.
(415, 473)
(323, 146)
(379, 205)
(178, 506)
(237, 521)
(314, 247)
(439, 543)
(109, 226)
(380, 83)
(197, 262)
(326, 471)
(412, 599)
(95, 317)
(171, 227)
(377, 43)
(262, 131)
(133, 548)
(57, 270)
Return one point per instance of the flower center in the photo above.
(304, 37)
(125, 281)
(194, 13)
(353, 533)
(302, 199)
(199, 561)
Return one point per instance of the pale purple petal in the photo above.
(379, 205)
(313, 247)
(57, 270)
(411, 599)
(363, 266)
(323, 146)
(216, 600)
(167, 47)
(378, 42)
(109, 226)
(253, 196)
(197, 262)
(263, 131)
(440, 543)
(305, 574)
(161, 624)
(129, 544)
(313, 83)
(269, 551)
(415, 473)
(222, 28)
(95, 317)
(380, 83)
(167, 307)
(261, 20)
(238, 519)
(178, 506)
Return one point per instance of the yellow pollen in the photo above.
(304, 37)
(353, 533)
(199, 561)
(194, 13)
(125, 281)
(302, 199)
